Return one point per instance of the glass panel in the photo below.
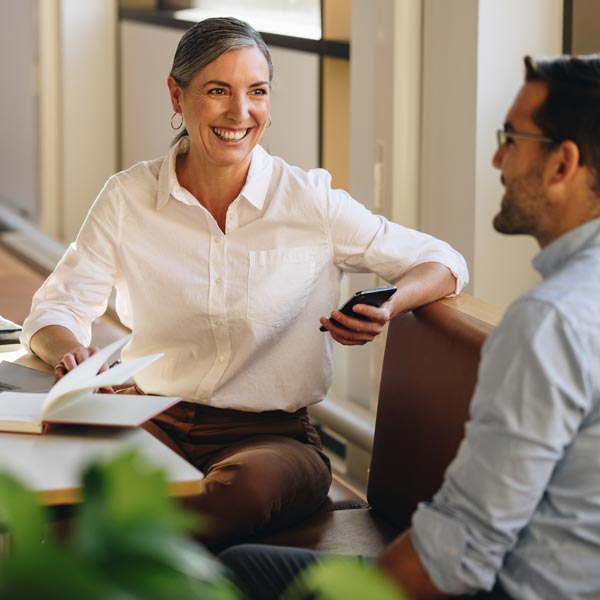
(296, 18)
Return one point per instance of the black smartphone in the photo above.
(374, 297)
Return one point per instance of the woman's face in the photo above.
(226, 106)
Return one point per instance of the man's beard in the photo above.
(523, 201)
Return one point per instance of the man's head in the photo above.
(549, 151)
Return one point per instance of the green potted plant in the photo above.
(130, 541)
(343, 578)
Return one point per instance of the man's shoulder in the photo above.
(557, 311)
(525, 314)
(573, 290)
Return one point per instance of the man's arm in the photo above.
(420, 285)
(401, 563)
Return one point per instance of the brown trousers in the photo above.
(262, 471)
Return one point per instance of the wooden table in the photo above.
(51, 464)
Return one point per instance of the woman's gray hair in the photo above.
(204, 42)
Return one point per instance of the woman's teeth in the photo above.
(230, 136)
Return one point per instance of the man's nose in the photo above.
(497, 158)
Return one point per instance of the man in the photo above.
(519, 510)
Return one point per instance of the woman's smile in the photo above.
(230, 135)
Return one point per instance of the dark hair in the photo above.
(205, 41)
(571, 110)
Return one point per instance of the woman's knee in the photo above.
(272, 483)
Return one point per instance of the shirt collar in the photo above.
(567, 245)
(259, 177)
(254, 190)
(167, 178)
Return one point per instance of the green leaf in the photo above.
(128, 542)
(147, 583)
(53, 574)
(20, 515)
(343, 578)
(120, 495)
(127, 489)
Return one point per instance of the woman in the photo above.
(226, 259)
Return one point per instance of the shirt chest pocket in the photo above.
(280, 282)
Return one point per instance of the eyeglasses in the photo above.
(503, 136)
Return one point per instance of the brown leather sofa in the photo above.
(429, 372)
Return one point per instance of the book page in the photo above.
(82, 376)
(114, 376)
(126, 410)
(72, 398)
(18, 406)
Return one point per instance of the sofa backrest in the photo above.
(429, 373)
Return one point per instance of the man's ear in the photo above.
(564, 162)
(175, 93)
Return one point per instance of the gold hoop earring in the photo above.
(270, 122)
(173, 117)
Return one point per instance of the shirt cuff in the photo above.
(442, 544)
(457, 267)
(33, 324)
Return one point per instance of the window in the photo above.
(295, 18)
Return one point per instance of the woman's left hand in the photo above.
(356, 332)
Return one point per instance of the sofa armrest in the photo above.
(429, 374)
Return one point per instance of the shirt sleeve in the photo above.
(77, 290)
(365, 242)
(531, 397)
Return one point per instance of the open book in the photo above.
(72, 398)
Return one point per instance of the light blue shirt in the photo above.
(521, 501)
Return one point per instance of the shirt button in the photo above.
(218, 240)
(218, 280)
(221, 359)
(218, 323)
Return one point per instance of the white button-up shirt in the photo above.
(236, 313)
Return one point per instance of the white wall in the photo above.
(19, 179)
(473, 67)
(88, 105)
(385, 82)
(449, 107)
(407, 70)
(146, 56)
(294, 134)
(50, 97)
(385, 96)
(502, 268)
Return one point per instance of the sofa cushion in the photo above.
(354, 531)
